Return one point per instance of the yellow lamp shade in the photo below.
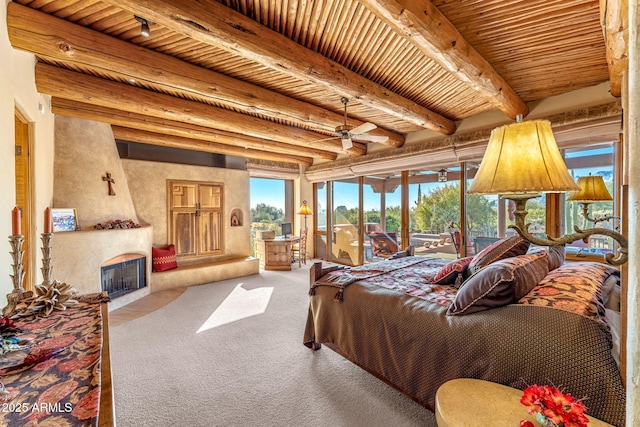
(592, 189)
(522, 158)
(305, 209)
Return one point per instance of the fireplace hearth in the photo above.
(123, 275)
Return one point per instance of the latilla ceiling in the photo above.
(265, 79)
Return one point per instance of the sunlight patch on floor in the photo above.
(239, 305)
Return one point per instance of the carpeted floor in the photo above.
(193, 363)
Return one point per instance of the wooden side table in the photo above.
(466, 402)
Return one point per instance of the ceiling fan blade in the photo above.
(325, 139)
(346, 143)
(365, 127)
(370, 138)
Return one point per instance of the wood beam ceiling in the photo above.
(60, 41)
(422, 24)
(164, 140)
(215, 24)
(615, 25)
(84, 88)
(151, 124)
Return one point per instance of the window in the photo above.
(381, 216)
(584, 161)
(271, 205)
(434, 212)
(344, 220)
(195, 217)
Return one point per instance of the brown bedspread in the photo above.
(411, 344)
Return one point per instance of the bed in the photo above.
(515, 317)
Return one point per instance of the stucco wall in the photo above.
(148, 185)
(18, 91)
(85, 151)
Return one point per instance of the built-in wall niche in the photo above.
(236, 217)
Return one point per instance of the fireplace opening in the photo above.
(123, 274)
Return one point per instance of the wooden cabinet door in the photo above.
(196, 218)
(210, 219)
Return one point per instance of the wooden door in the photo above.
(23, 194)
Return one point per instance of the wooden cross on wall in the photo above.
(110, 181)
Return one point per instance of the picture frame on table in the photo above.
(64, 219)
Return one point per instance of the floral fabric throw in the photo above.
(65, 389)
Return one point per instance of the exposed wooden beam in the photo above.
(126, 119)
(83, 88)
(422, 24)
(614, 16)
(59, 40)
(210, 22)
(152, 138)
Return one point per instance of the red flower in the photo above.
(562, 409)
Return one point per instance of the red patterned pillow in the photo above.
(505, 248)
(501, 283)
(164, 259)
(452, 273)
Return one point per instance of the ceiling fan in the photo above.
(347, 133)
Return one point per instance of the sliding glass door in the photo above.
(345, 223)
(434, 212)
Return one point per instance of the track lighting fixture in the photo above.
(144, 26)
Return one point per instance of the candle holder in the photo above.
(18, 274)
(46, 258)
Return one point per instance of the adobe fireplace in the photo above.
(123, 274)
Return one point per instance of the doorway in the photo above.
(23, 178)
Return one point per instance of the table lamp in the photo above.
(522, 160)
(592, 189)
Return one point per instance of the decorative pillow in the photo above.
(574, 286)
(452, 273)
(505, 248)
(556, 254)
(501, 283)
(164, 259)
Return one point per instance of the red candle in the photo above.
(15, 222)
(48, 222)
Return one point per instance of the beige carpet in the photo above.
(196, 362)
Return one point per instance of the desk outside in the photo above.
(275, 254)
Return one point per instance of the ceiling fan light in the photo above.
(346, 143)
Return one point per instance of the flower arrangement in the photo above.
(554, 408)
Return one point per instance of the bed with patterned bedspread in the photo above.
(508, 316)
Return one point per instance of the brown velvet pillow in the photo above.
(501, 283)
(505, 248)
(556, 254)
(164, 259)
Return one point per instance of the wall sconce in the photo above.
(305, 210)
(521, 161)
(442, 175)
(592, 189)
(144, 26)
